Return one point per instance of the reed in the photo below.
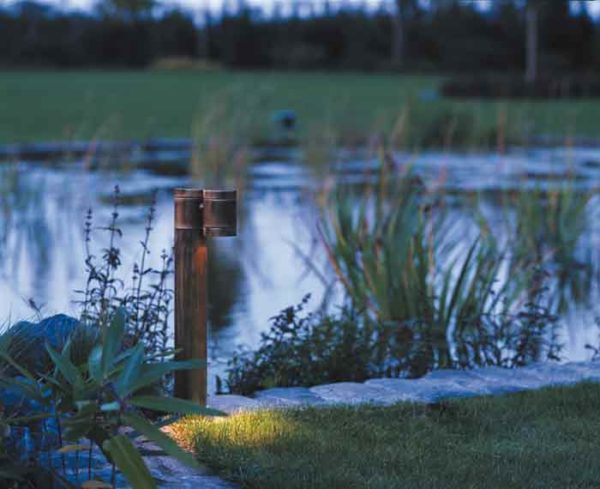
(438, 294)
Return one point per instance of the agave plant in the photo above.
(104, 400)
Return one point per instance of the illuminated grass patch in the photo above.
(544, 439)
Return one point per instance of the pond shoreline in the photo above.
(50, 150)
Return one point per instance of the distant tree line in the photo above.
(449, 36)
(33, 34)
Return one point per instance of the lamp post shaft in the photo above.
(191, 255)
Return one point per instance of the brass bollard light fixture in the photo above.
(199, 214)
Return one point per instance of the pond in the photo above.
(264, 269)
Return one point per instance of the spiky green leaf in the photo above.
(129, 461)
(173, 405)
(154, 434)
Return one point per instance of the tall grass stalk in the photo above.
(222, 133)
(147, 301)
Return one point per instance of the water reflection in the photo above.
(263, 270)
(225, 276)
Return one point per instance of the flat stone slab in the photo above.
(172, 474)
(288, 397)
(457, 376)
(232, 403)
(465, 379)
(505, 380)
(426, 390)
(356, 393)
(562, 374)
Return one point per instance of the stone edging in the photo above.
(439, 384)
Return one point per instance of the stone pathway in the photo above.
(437, 385)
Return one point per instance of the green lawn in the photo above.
(545, 439)
(37, 105)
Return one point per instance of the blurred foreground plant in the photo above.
(101, 403)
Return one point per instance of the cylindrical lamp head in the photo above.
(220, 212)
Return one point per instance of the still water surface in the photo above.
(263, 269)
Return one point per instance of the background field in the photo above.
(43, 106)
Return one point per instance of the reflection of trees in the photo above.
(225, 281)
(33, 226)
(5, 208)
(25, 228)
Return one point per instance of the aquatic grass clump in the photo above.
(422, 290)
(367, 246)
(399, 256)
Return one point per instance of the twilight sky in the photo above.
(197, 5)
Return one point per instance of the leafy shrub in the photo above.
(306, 349)
(95, 400)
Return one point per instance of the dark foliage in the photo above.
(79, 421)
(306, 349)
(448, 36)
(35, 35)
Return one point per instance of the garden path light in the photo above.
(199, 214)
